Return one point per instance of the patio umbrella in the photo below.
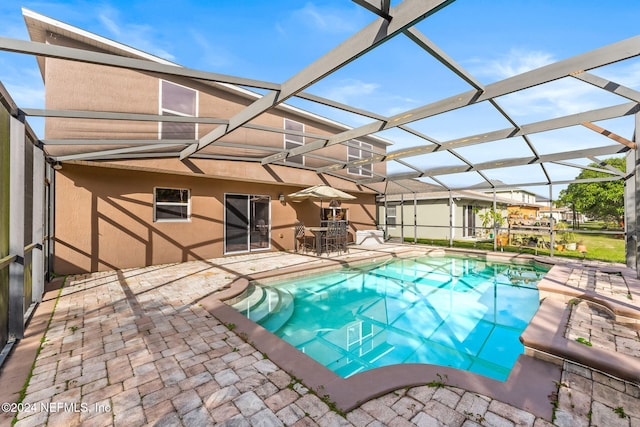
(321, 192)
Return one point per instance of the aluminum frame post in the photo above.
(495, 223)
(415, 218)
(552, 240)
(632, 205)
(16, 230)
(402, 217)
(38, 225)
(451, 219)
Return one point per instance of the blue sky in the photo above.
(271, 41)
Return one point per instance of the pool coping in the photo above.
(530, 385)
(544, 337)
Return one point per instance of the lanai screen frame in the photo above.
(398, 21)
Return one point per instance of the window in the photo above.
(469, 221)
(391, 216)
(176, 100)
(171, 204)
(334, 214)
(293, 141)
(358, 151)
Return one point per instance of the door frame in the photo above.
(250, 215)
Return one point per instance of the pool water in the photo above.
(465, 313)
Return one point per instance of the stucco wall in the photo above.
(104, 218)
(81, 86)
(432, 217)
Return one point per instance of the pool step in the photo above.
(252, 297)
(279, 317)
(267, 306)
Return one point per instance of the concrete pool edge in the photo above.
(544, 338)
(528, 387)
(531, 383)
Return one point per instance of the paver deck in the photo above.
(135, 348)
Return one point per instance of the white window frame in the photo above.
(156, 204)
(177, 113)
(364, 151)
(287, 140)
(394, 216)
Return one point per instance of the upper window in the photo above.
(357, 151)
(176, 100)
(171, 204)
(293, 141)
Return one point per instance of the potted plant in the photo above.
(566, 238)
(491, 218)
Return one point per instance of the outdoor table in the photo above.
(318, 232)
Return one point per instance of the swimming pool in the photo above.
(465, 313)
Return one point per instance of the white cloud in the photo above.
(350, 89)
(325, 19)
(110, 24)
(516, 61)
(215, 57)
(142, 37)
(553, 99)
(402, 105)
(26, 95)
(625, 73)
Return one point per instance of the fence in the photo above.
(552, 239)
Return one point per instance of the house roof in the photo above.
(460, 196)
(415, 161)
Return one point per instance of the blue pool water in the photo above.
(449, 311)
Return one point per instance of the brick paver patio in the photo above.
(134, 348)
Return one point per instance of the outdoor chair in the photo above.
(342, 236)
(303, 241)
(332, 238)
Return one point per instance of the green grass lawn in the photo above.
(603, 247)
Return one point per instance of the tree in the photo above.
(598, 200)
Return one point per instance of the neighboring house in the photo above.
(523, 204)
(436, 214)
(565, 214)
(134, 209)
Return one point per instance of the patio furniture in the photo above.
(332, 238)
(303, 241)
(318, 233)
(343, 236)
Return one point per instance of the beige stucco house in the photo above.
(118, 208)
(438, 214)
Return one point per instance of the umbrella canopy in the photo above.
(321, 192)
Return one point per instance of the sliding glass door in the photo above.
(247, 223)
